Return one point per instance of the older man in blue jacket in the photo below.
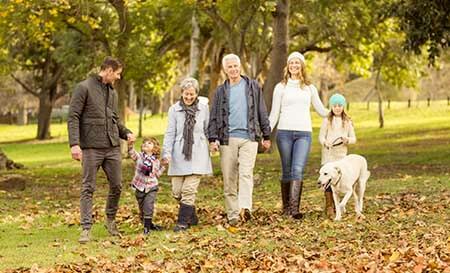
(238, 120)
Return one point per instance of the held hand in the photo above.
(76, 152)
(165, 161)
(131, 138)
(213, 147)
(266, 144)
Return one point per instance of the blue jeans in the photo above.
(294, 149)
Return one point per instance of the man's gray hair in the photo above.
(188, 83)
(229, 57)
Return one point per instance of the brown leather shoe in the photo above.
(111, 226)
(84, 236)
(245, 215)
(329, 205)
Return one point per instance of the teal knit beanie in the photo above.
(337, 99)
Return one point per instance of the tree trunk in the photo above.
(279, 52)
(169, 98)
(214, 71)
(132, 101)
(51, 90)
(323, 89)
(215, 78)
(194, 56)
(380, 99)
(141, 109)
(123, 38)
(155, 104)
(44, 116)
(22, 118)
(380, 110)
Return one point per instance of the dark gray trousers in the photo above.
(110, 159)
(146, 202)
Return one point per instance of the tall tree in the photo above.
(125, 27)
(280, 47)
(194, 55)
(36, 40)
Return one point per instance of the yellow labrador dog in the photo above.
(348, 175)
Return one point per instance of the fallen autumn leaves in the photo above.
(402, 233)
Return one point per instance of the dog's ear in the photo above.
(338, 170)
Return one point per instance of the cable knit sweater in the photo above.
(291, 106)
(329, 133)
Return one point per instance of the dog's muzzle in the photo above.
(324, 186)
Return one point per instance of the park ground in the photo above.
(406, 226)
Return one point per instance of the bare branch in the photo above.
(244, 29)
(98, 34)
(24, 85)
(57, 75)
(300, 31)
(222, 24)
(314, 47)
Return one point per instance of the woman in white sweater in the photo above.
(291, 103)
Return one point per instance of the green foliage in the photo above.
(150, 56)
(425, 23)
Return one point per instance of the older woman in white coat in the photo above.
(186, 150)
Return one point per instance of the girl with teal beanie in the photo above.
(335, 134)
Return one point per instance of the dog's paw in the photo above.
(360, 216)
(337, 218)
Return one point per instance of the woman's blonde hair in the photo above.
(156, 147)
(303, 76)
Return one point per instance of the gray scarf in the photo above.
(188, 129)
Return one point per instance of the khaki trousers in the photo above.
(184, 188)
(237, 161)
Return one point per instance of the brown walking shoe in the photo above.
(85, 236)
(233, 222)
(111, 226)
(245, 215)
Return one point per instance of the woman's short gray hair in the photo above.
(188, 83)
(230, 57)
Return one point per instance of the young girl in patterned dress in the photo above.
(145, 181)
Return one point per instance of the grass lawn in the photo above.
(407, 209)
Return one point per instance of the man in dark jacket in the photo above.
(94, 137)
(238, 120)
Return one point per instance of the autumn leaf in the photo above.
(394, 257)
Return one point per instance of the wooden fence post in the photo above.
(409, 103)
(428, 102)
